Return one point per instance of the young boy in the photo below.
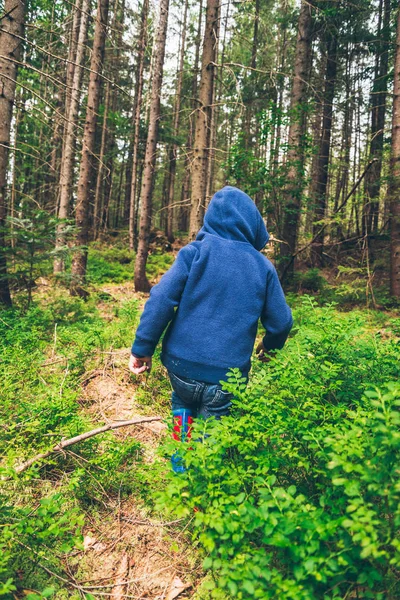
(211, 300)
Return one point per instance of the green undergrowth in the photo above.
(347, 286)
(115, 264)
(297, 494)
(46, 353)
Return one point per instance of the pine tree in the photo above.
(12, 28)
(395, 175)
(141, 282)
(79, 262)
(201, 145)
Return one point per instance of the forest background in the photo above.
(118, 121)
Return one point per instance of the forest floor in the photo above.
(127, 551)
(64, 371)
(129, 548)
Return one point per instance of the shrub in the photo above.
(310, 281)
(297, 492)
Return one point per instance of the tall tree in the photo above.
(184, 212)
(201, 145)
(141, 282)
(73, 44)
(79, 262)
(137, 107)
(378, 111)
(173, 149)
(67, 162)
(395, 175)
(295, 157)
(317, 248)
(11, 32)
(100, 170)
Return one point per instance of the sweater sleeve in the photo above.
(160, 307)
(276, 316)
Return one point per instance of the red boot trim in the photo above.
(177, 429)
(189, 431)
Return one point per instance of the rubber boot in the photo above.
(182, 420)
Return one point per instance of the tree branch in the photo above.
(80, 438)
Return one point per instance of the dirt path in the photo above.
(129, 554)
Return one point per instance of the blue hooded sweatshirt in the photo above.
(213, 295)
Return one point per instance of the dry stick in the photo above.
(80, 438)
(353, 189)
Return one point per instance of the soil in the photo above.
(129, 554)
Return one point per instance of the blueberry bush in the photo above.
(297, 494)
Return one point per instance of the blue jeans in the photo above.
(202, 399)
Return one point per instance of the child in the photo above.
(211, 299)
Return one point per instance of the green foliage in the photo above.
(113, 264)
(110, 264)
(158, 264)
(310, 280)
(297, 493)
(29, 247)
(35, 533)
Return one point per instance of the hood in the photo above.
(232, 215)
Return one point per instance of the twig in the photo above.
(150, 524)
(80, 438)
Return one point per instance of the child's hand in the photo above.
(262, 353)
(139, 365)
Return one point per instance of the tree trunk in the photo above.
(73, 44)
(99, 177)
(141, 282)
(137, 106)
(203, 118)
(295, 157)
(395, 175)
(342, 179)
(216, 109)
(12, 29)
(378, 103)
(78, 270)
(184, 211)
(317, 247)
(173, 149)
(67, 162)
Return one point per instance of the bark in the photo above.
(184, 211)
(141, 282)
(201, 144)
(67, 161)
(216, 109)
(100, 170)
(143, 35)
(276, 133)
(395, 175)
(378, 103)
(79, 262)
(295, 157)
(317, 248)
(111, 149)
(73, 45)
(173, 150)
(342, 181)
(12, 29)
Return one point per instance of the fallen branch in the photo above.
(82, 437)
